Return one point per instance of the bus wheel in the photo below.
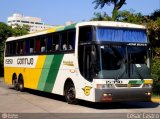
(21, 84)
(70, 93)
(15, 83)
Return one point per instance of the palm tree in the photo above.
(117, 5)
(155, 14)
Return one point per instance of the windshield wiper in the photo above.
(122, 70)
(138, 72)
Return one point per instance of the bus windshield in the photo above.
(123, 62)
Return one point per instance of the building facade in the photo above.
(34, 23)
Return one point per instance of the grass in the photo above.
(155, 96)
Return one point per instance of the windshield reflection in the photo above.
(123, 62)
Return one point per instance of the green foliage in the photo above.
(5, 32)
(156, 66)
(153, 28)
(101, 17)
(117, 5)
(101, 3)
(155, 70)
(131, 17)
(20, 30)
(155, 15)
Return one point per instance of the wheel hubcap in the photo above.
(71, 93)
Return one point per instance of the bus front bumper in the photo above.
(116, 95)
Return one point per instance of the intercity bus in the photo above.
(97, 61)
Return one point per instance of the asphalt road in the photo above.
(40, 103)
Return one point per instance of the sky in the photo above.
(57, 12)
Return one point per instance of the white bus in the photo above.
(97, 61)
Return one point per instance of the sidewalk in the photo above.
(1, 79)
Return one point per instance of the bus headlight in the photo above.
(105, 86)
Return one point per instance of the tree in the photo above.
(153, 28)
(101, 17)
(155, 14)
(20, 30)
(5, 32)
(131, 17)
(117, 5)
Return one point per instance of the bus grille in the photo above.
(127, 85)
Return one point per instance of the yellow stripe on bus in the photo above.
(148, 81)
(51, 30)
(33, 75)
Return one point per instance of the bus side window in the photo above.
(71, 40)
(18, 48)
(27, 48)
(43, 44)
(8, 48)
(37, 48)
(85, 34)
(22, 47)
(13, 48)
(64, 41)
(31, 46)
(49, 44)
(55, 43)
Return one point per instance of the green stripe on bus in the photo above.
(56, 62)
(45, 72)
(135, 82)
(72, 26)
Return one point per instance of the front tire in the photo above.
(70, 93)
(15, 84)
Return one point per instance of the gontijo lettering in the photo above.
(28, 61)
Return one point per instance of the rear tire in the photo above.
(21, 84)
(70, 93)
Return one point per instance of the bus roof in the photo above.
(51, 30)
(72, 26)
(111, 24)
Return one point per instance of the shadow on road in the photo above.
(101, 106)
(119, 105)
